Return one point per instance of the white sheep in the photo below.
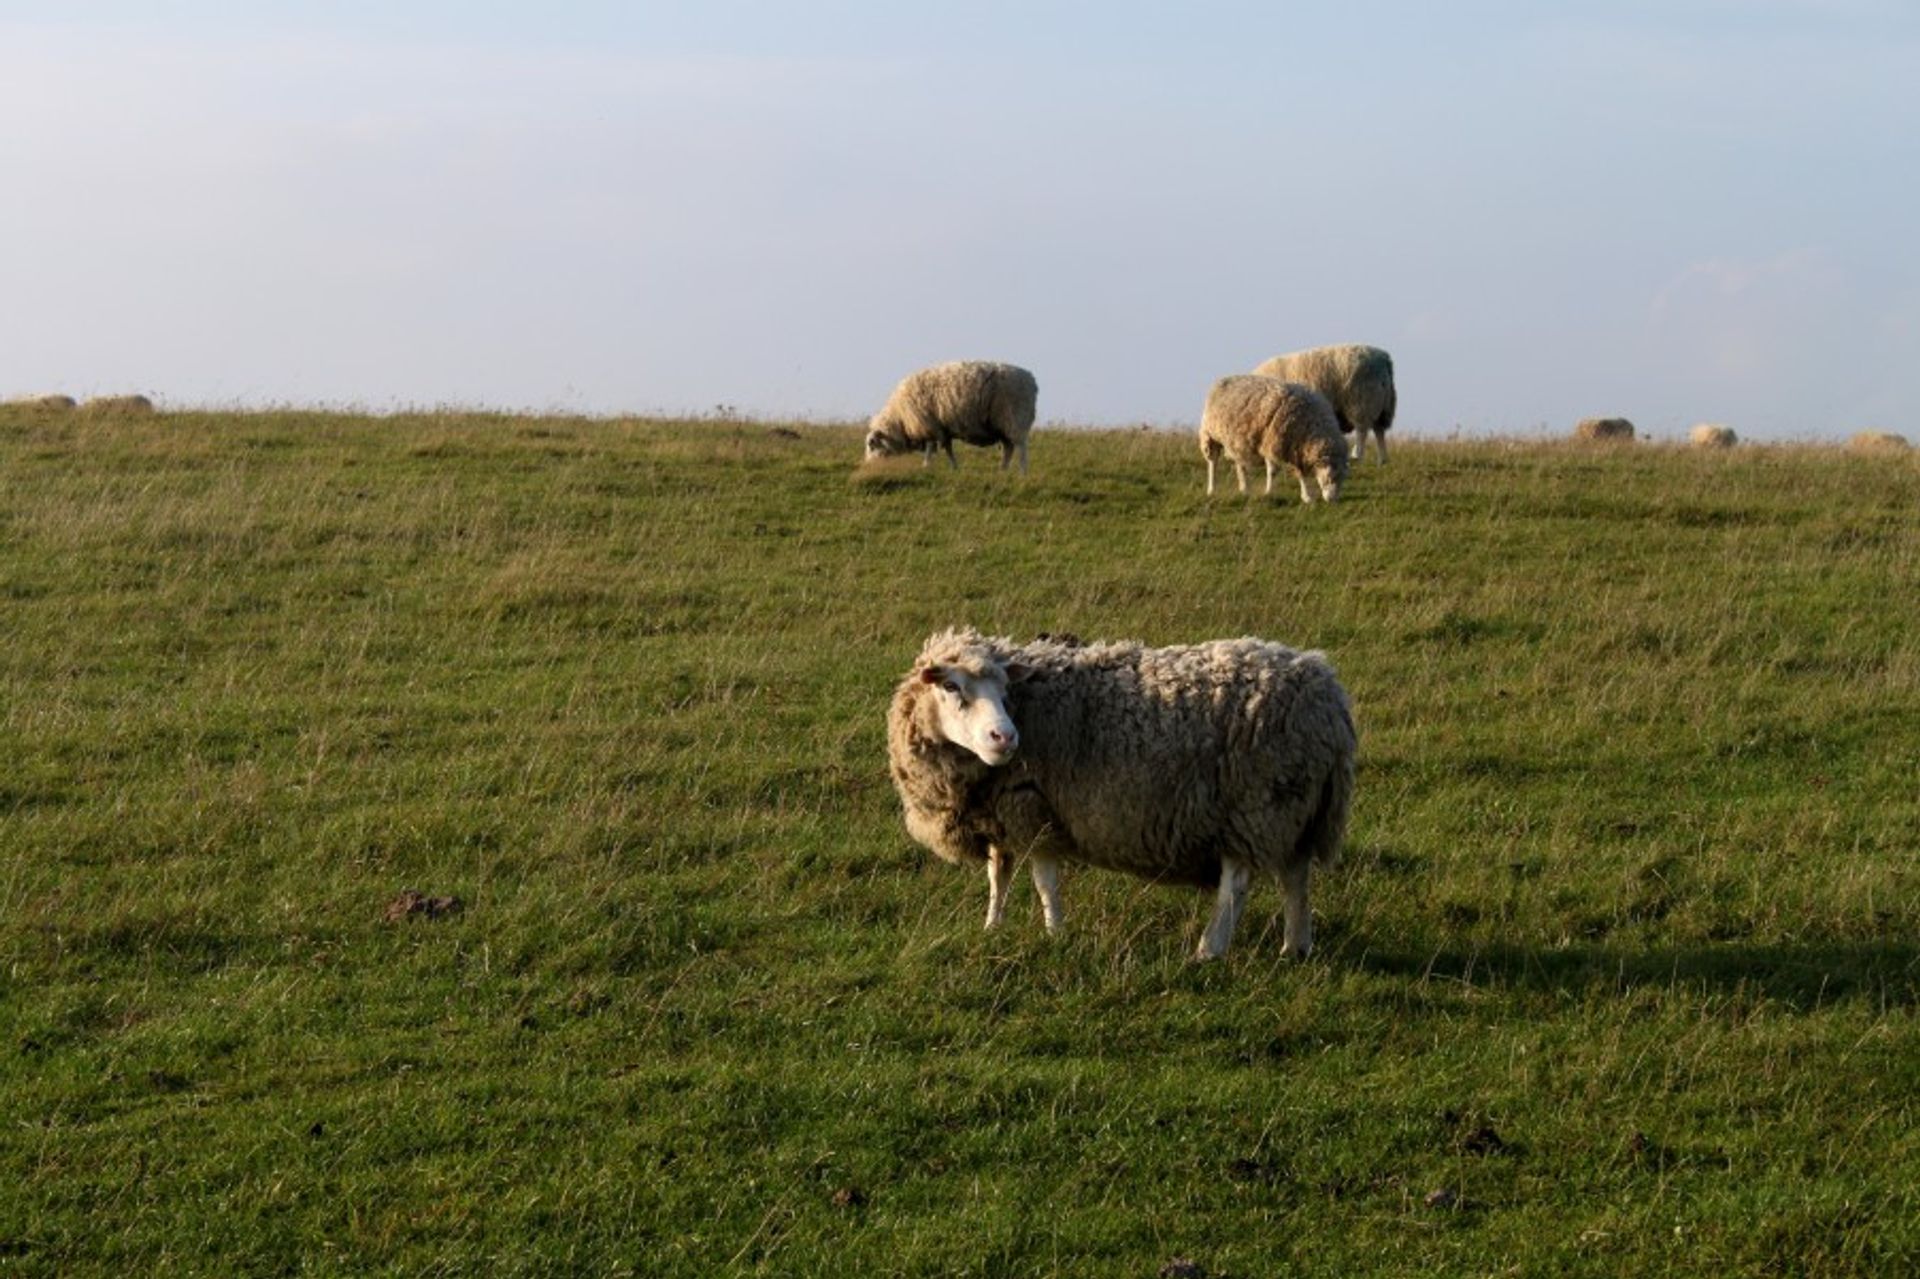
(1198, 764)
(1357, 380)
(973, 401)
(1249, 417)
(1603, 430)
(1878, 442)
(42, 403)
(1712, 435)
(118, 405)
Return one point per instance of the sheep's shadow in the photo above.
(1801, 976)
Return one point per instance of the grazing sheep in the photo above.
(1604, 430)
(44, 403)
(1878, 442)
(1712, 435)
(973, 401)
(1196, 765)
(118, 404)
(1248, 416)
(1357, 381)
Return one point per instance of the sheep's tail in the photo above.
(1321, 838)
(1385, 419)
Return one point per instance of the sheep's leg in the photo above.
(1240, 473)
(1380, 438)
(1023, 457)
(1046, 881)
(1227, 904)
(1306, 491)
(998, 863)
(1209, 475)
(926, 454)
(953, 463)
(1297, 940)
(1360, 446)
(1006, 454)
(1269, 462)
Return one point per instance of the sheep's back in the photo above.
(1254, 415)
(1357, 380)
(1156, 759)
(974, 401)
(1603, 429)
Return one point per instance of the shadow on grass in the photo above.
(1802, 976)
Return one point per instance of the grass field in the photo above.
(1620, 974)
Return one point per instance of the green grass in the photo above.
(1624, 953)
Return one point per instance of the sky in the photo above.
(1674, 211)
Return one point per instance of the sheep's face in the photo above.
(882, 442)
(970, 710)
(1331, 477)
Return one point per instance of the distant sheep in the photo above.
(1878, 442)
(973, 401)
(1250, 417)
(1711, 435)
(1604, 430)
(1357, 381)
(125, 405)
(42, 403)
(1195, 765)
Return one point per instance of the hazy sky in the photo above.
(1677, 210)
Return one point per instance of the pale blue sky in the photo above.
(1697, 210)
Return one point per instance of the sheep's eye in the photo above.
(954, 688)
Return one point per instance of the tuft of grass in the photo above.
(889, 474)
(1620, 973)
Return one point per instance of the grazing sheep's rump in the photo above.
(1253, 418)
(1878, 442)
(1599, 430)
(1357, 380)
(1198, 764)
(973, 401)
(1712, 435)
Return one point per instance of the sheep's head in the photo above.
(965, 683)
(1332, 474)
(884, 437)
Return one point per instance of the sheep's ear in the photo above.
(930, 674)
(1020, 672)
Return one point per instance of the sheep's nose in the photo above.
(1007, 737)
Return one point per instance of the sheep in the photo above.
(1712, 435)
(43, 403)
(1603, 430)
(1357, 381)
(1198, 764)
(118, 404)
(974, 401)
(1248, 416)
(1878, 442)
